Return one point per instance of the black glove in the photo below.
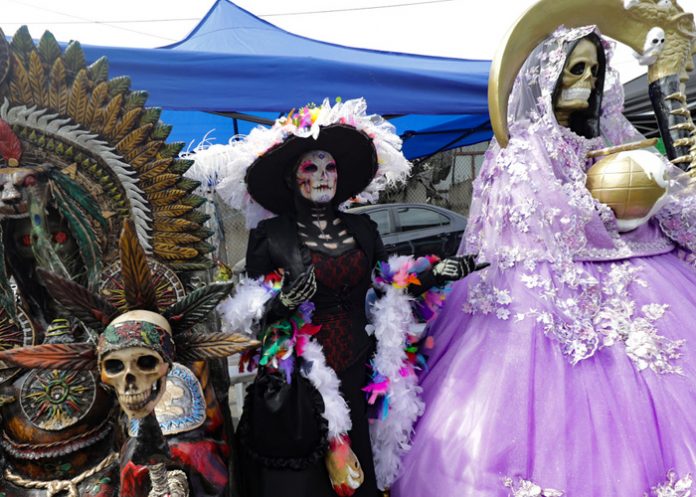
(456, 268)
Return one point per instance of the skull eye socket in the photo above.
(147, 362)
(113, 366)
(578, 68)
(331, 166)
(308, 167)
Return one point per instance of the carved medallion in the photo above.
(182, 407)
(54, 400)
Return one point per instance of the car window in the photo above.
(381, 217)
(414, 218)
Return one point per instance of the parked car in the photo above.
(416, 229)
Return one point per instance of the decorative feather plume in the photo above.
(53, 356)
(10, 147)
(89, 308)
(195, 307)
(200, 346)
(137, 280)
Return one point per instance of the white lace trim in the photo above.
(625, 250)
(673, 487)
(527, 488)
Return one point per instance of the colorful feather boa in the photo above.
(393, 393)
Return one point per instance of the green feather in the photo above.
(22, 43)
(74, 58)
(7, 299)
(76, 193)
(195, 307)
(99, 70)
(48, 48)
(41, 246)
(83, 233)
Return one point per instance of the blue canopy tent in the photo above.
(235, 70)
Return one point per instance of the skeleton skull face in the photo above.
(138, 374)
(317, 176)
(13, 191)
(579, 78)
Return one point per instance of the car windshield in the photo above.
(413, 218)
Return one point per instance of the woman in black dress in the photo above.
(327, 257)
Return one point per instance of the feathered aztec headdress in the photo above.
(97, 313)
(250, 175)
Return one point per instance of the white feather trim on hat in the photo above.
(224, 166)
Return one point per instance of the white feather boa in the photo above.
(393, 322)
(241, 311)
(324, 379)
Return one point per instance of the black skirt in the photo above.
(257, 480)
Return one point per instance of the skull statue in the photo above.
(578, 80)
(317, 176)
(134, 359)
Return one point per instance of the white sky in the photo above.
(450, 28)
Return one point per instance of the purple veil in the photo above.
(534, 220)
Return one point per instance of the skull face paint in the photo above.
(137, 373)
(317, 176)
(578, 80)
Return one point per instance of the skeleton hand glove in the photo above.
(300, 290)
(456, 268)
(344, 469)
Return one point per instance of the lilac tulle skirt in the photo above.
(505, 405)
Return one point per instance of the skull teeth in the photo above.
(576, 94)
(136, 401)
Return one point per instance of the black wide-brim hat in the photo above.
(352, 149)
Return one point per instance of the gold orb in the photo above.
(630, 183)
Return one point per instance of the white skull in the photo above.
(578, 80)
(317, 176)
(138, 374)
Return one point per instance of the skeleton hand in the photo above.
(456, 268)
(302, 289)
(343, 466)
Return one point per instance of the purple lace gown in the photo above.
(568, 367)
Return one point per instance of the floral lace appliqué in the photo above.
(674, 487)
(526, 488)
(587, 314)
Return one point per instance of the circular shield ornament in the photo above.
(168, 286)
(54, 399)
(14, 335)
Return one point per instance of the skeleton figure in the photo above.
(135, 349)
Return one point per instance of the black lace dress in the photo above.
(342, 282)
